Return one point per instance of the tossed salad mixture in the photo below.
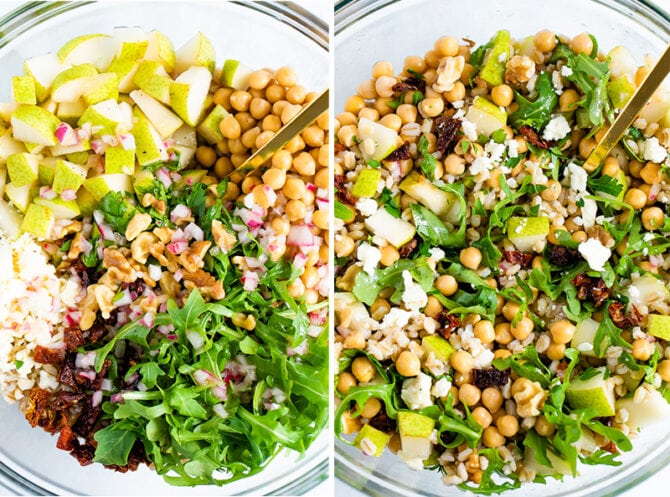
(501, 311)
(154, 307)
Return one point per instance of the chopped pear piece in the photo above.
(96, 49)
(235, 74)
(23, 168)
(62, 209)
(130, 43)
(21, 196)
(43, 69)
(493, 71)
(185, 144)
(101, 87)
(649, 409)
(39, 221)
(198, 51)
(585, 333)
(415, 432)
(160, 49)
(33, 124)
(149, 146)
(209, 127)
(658, 325)
(68, 176)
(442, 204)
(9, 146)
(487, 116)
(153, 79)
(371, 440)
(164, 120)
(99, 186)
(189, 92)
(10, 220)
(440, 347)
(620, 90)
(87, 203)
(395, 231)
(70, 112)
(595, 393)
(376, 140)
(23, 90)
(72, 83)
(649, 291)
(104, 117)
(119, 160)
(125, 70)
(528, 233)
(366, 183)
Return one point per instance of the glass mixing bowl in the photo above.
(367, 31)
(262, 34)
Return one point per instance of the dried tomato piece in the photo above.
(409, 248)
(492, 377)
(400, 153)
(588, 289)
(87, 418)
(84, 454)
(73, 338)
(616, 313)
(339, 147)
(517, 257)
(49, 355)
(36, 405)
(563, 256)
(448, 323)
(342, 194)
(67, 440)
(531, 136)
(446, 129)
(65, 400)
(409, 84)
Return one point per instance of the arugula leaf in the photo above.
(114, 445)
(117, 210)
(477, 59)
(463, 430)
(601, 456)
(527, 364)
(538, 113)
(388, 201)
(359, 395)
(591, 78)
(367, 287)
(487, 484)
(539, 444)
(429, 162)
(432, 229)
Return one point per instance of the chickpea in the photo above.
(367, 89)
(414, 63)
(485, 331)
(470, 257)
(651, 173)
(344, 382)
(510, 310)
(275, 178)
(321, 178)
(469, 395)
(454, 164)
(502, 354)
(222, 97)
(354, 340)
(642, 349)
(636, 198)
(379, 308)
(502, 95)
(552, 192)
(582, 43)
(663, 370)
(462, 361)
(344, 246)
(371, 408)
(433, 307)
(461, 379)
(503, 333)
(384, 86)
(446, 46)
(568, 100)
(653, 218)
(545, 41)
(230, 127)
(304, 164)
(543, 427)
(354, 104)
(369, 113)
(552, 237)
(482, 416)
(408, 363)
(635, 168)
(431, 107)
(611, 167)
(295, 210)
(562, 331)
(492, 437)
(555, 351)
(586, 146)
(492, 399)
(240, 100)
(294, 188)
(320, 219)
(363, 369)
(580, 236)
(446, 285)
(223, 166)
(456, 94)
(382, 68)
(407, 113)
(507, 425)
(522, 329)
(391, 121)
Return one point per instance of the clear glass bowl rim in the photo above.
(347, 14)
(315, 29)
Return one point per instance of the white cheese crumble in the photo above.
(589, 211)
(469, 129)
(366, 206)
(369, 256)
(566, 71)
(578, 176)
(416, 392)
(595, 253)
(413, 297)
(441, 388)
(556, 129)
(436, 254)
(395, 319)
(654, 151)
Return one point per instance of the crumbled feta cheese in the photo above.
(396, 319)
(366, 206)
(369, 256)
(578, 177)
(566, 71)
(494, 150)
(654, 151)
(589, 211)
(595, 253)
(416, 392)
(436, 254)
(413, 297)
(512, 148)
(556, 82)
(441, 388)
(530, 86)
(556, 129)
(481, 165)
(469, 129)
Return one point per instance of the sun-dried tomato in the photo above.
(73, 338)
(67, 440)
(492, 377)
(592, 290)
(65, 400)
(382, 422)
(616, 312)
(446, 129)
(84, 454)
(88, 275)
(563, 256)
(517, 257)
(400, 153)
(87, 418)
(409, 248)
(49, 355)
(36, 405)
(342, 194)
(531, 136)
(410, 84)
(448, 323)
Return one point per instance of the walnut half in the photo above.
(529, 396)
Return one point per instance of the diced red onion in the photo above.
(96, 398)
(47, 193)
(193, 231)
(124, 299)
(300, 236)
(322, 203)
(85, 132)
(88, 374)
(299, 260)
(178, 275)
(155, 272)
(179, 212)
(147, 320)
(195, 339)
(220, 392)
(164, 177)
(121, 318)
(68, 194)
(66, 135)
(110, 140)
(116, 398)
(100, 252)
(133, 378)
(311, 187)
(127, 141)
(85, 361)
(318, 318)
(166, 328)
(72, 318)
(176, 176)
(205, 378)
(220, 410)
(298, 350)
(106, 385)
(654, 191)
(177, 247)
(256, 262)
(98, 146)
(250, 281)
(172, 337)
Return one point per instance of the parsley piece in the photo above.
(375, 164)
(428, 163)
(417, 97)
(343, 211)
(389, 202)
(117, 210)
(604, 185)
(538, 113)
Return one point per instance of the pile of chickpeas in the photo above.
(295, 172)
(490, 407)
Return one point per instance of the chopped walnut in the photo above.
(68, 229)
(77, 246)
(105, 299)
(164, 234)
(193, 258)
(158, 252)
(223, 238)
(169, 286)
(448, 72)
(529, 396)
(89, 308)
(520, 69)
(601, 234)
(206, 283)
(142, 245)
(148, 200)
(115, 258)
(137, 225)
